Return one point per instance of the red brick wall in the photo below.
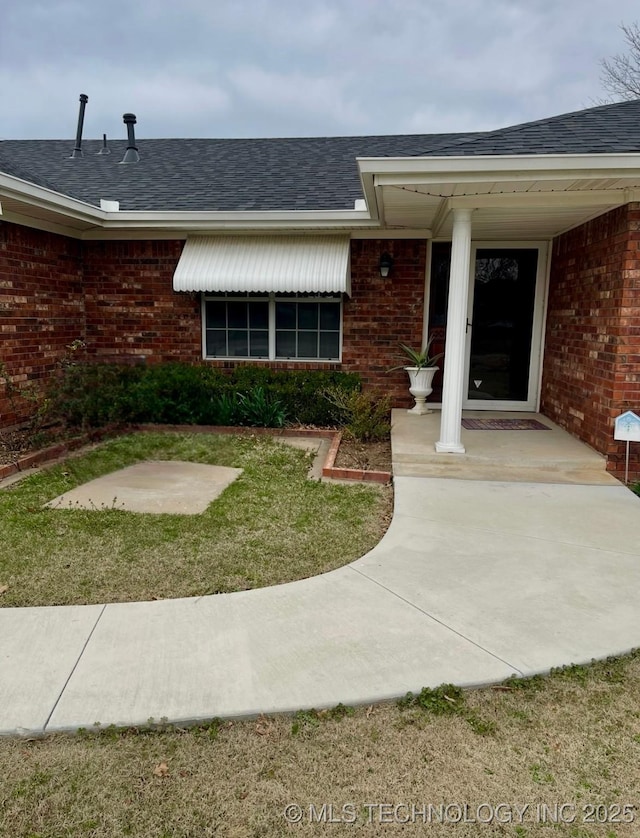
(592, 347)
(381, 313)
(41, 308)
(118, 297)
(378, 315)
(132, 309)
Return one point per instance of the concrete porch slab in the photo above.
(552, 456)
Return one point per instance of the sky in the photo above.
(274, 68)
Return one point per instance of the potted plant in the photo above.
(421, 369)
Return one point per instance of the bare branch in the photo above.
(620, 75)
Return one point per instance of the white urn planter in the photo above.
(420, 387)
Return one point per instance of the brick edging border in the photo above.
(330, 470)
(54, 452)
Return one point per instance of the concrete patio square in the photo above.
(162, 486)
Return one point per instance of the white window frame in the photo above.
(272, 299)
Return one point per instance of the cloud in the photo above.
(265, 67)
(326, 98)
(165, 102)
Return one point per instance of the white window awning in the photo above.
(280, 264)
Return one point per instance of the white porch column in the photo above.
(454, 361)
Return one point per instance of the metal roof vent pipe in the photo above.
(131, 154)
(105, 148)
(77, 151)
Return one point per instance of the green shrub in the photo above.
(225, 409)
(299, 391)
(175, 394)
(258, 409)
(92, 395)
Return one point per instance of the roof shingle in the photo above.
(308, 173)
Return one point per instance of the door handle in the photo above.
(468, 326)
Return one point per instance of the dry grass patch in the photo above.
(272, 525)
(572, 738)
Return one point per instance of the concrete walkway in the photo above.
(475, 580)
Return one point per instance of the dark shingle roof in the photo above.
(181, 174)
(309, 173)
(605, 129)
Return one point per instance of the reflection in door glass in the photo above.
(503, 303)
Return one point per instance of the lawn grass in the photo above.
(272, 525)
(571, 738)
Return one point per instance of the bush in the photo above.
(365, 415)
(92, 395)
(299, 391)
(258, 409)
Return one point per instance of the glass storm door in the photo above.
(504, 326)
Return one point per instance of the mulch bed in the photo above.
(16, 442)
(368, 456)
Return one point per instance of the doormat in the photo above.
(504, 425)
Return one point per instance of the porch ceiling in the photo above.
(512, 198)
(503, 210)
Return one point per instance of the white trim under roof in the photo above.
(256, 264)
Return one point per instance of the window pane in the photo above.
(216, 315)
(329, 345)
(330, 316)
(307, 315)
(259, 315)
(439, 292)
(286, 344)
(259, 344)
(307, 344)
(216, 343)
(238, 343)
(286, 315)
(304, 329)
(237, 315)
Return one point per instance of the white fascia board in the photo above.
(205, 221)
(370, 194)
(392, 171)
(46, 226)
(355, 232)
(39, 196)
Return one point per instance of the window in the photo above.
(297, 327)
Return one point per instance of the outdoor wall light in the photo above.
(385, 265)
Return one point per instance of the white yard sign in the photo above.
(627, 428)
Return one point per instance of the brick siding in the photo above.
(118, 297)
(381, 313)
(592, 345)
(132, 309)
(41, 309)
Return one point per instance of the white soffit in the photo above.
(282, 264)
